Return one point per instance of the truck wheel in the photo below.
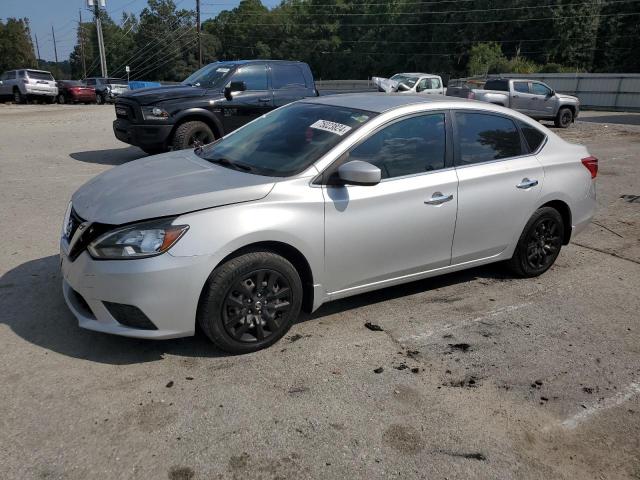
(190, 132)
(17, 96)
(99, 99)
(564, 118)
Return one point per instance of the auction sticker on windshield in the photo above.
(333, 127)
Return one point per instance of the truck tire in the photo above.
(17, 96)
(564, 118)
(187, 133)
(99, 99)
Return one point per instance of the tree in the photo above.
(16, 48)
(485, 58)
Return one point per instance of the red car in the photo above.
(72, 91)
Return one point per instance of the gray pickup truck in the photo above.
(531, 97)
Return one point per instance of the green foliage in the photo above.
(16, 49)
(485, 58)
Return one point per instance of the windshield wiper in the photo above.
(225, 162)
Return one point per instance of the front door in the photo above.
(402, 226)
(500, 184)
(521, 97)
(245, 106)
(544, 102)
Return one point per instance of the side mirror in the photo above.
(403, 87)
(234, 87)
(357, 172)
(551, 93)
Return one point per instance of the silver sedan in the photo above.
(315, 201)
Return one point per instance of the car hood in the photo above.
(164, 185)
(569, 98)
(149, 96)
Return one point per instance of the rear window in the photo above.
(39, 75)
(483, 138)
(501, 85)
(287, 76)
(532, 135)
(115, 81)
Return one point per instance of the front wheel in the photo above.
(187, 134)
(540, 243)
(18, 97)
(250, 302)
(564, 119)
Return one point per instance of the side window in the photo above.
(414, 145)
(522, 87)
(483, 137)
(500, 85)
(435, 83)
(540, 89)
(91, 81)
(532, 135)
(287, 76)
(423, 85)
(254, 76)
(3, 76)
(21, 74)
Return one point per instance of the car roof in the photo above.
(261, 60)
(382, 102)
(418, 74)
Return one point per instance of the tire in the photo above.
(18, 97)
(230, 302)
(50, 100)
(539, 244)
(60, 98)
(187, 133)
(99, 99)
(564, 118)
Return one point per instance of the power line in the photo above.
(158, 65)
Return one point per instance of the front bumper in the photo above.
(165, 288)
(144, 136)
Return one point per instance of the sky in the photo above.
(63, 16)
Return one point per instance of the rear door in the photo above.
(6, 86)
(255, 101)
(521, 96)
(288, 83)
(500, 184)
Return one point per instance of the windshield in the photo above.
(209, 76)
(405, 79)
(288, 140)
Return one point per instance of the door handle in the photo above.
(516, 96)
(264, 99)
(438, 198)
(526, 183)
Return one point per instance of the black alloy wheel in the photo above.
(201, 137)
(250, 302)
(564, 118)
(543, 243)
(540, 243)
(255, 306)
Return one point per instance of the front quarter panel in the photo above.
(293, 213)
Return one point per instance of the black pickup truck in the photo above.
(212, 102)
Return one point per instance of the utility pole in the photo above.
(199, 37)
(38, 51)
(96, 14)
(84, 63)
(55, 48)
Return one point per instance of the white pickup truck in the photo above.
(422, 83)
(531, 97)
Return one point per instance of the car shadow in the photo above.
(112, 156)
(629, 119)
(34, 309)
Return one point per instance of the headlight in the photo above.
(67, 225)
(141, 240)
(154, 113)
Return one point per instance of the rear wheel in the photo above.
(540, 243)
(99, 99)
(61, 99)
(564, 118)
(187, 134)
(18, 97)
(250, 302)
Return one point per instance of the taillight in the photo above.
(591, 163)
(471, 95)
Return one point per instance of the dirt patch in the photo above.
(181, 473)
(403, 438)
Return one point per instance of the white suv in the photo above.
(25, 84)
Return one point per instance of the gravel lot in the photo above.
(484, 376)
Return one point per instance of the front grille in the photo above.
(74, 222)
(129, 316)
(89, 235)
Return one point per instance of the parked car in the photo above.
(210, 103)
(28, 84)
(107, 89)
(318, 200)
(531, 97)
(423, 83)
(73, 91)
(460, 87)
